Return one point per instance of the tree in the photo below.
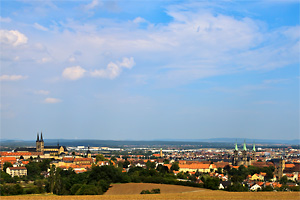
(6, 165)
(58, 186)
(150, 165)
(45, 164)
(113, 158)
(51, 179)
(175, 166)
(126, 164)
(283, 180)
(162, 169)
(166, 161)
(100, 157)
(227, 168)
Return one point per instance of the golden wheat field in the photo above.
(132, 190)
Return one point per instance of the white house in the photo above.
(16, 171)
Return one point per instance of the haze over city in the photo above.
(145, 70)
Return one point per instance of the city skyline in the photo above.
(130, 70)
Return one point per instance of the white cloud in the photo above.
(42, 92)
(52, 100)
(44, 60)
(40, 27)
(12, 37)
(5, 19)
(127, 63)
(113, 70)
(139, 20)
(72, 59)
(73, 73)
(12, 77)
(194, 44)
(92, 5)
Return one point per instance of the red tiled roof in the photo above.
(20, 153)
(195, 166)
(289, 165)
(17, 168)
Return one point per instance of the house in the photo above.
(203, 168)
(292, 176)
(16, 171)
(260, 177)
(224, 184)
(255, 187)
(3, 160)
(102, 163)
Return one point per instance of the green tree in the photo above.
(126, 163)
(283, 180)
(100, 157)
(113, 158)
(52, 179)
(175, 166)
(150, 165)
(162, 169)
(58, 186)
(6, 165)
(33, 170)
(219, 170)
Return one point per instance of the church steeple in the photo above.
(37, 137)
(253, 147)
(42, 137)
(236, 147)
(244, 147)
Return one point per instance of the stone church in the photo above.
(246, 159)
(40, 147)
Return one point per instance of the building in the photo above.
(16, 171)
(54, 150)
(246, 159)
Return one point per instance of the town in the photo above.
(244, 167)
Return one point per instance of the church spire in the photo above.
(253, 146)
(42, 137)
(37, 137)
(244, 147)
(236, 148)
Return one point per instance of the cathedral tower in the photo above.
(253, 159)
(244, 154)
(235, 155)
(39, 143)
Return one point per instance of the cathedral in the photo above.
(40, 147)
(246, 158)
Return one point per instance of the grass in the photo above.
(167, 192)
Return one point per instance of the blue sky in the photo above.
(146, 70)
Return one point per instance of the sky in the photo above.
(149, 70)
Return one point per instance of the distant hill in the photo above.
(203, 143)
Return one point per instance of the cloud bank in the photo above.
(12, 77)
(12, 37)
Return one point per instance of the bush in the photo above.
(145, 192)
(153, 191)
(11, 190)
(75, 188)
(89, 190)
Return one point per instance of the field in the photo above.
(136, 188)
(132, 190)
